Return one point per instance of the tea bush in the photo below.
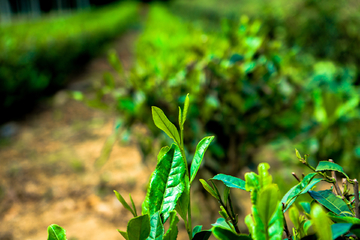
(251, 90)
(37, 56)
(332, 214)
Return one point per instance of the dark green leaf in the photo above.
(172, 232)
(196, 229)
(55, 232)
(199, 155)
(329, 200)
(167, 184)
(138, 228)
(342, 219)
(162, 122)
(123, 202)
(230, 181)
(339, 229)
(133, 205)
(156, 227)
(303, 187)
(330, 166)
(321, 223)
(124, 234)
(226, 234)
(202, 235)
(209, 189)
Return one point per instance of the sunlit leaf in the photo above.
(162, 122)
(138, 228)
(199, 155)
(55, 232)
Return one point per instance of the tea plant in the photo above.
(332, 214)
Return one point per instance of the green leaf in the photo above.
(133, 205)
(156, 227)
(162, 122)
(180, 120)
(306, 206)
(196, 229)
(202, 235)
(330, 166)
(268, 202)
(123, 202)
(138, 228)
(162, 152)
(294, 216)
(321, 223)
(339, 229)
(172, 232)
(209, 189)
(167, 184)
(183, 202)
(230, 181)
(145, 204)
(199, 155)
(226, 234)
(329, 200)
(124, 234)
(221, 222)
(264, 177)
(303, 187)
(186, 107)
(55, 232)
(297, 154)
(342, 219)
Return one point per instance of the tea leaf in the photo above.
(186, 107)
(55, 232)
(339, 229)
(226, 234)
(303, 187)
(133, 205)
(124, 234)
(306, 206)
(172, 232)
(329, 200)
(162, 152)
(183, 202)
(162, 122)
(202, 235)
(221, 222)
(330, 166)
(297, 154)
(196, 229)
(268, 202)
(156, 227)
(123, 202)
(167, 184)
(321, 223)
(342, 219)
(199, 155)
(209, 189)
(180, 120)
(138, 228)
(230, 181)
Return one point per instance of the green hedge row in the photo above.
(36, 57)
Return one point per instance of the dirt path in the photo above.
(47, 173)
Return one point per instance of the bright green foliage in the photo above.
(230, 181)
(321, 223)
(330, 166)
(303, 187)
(167, 183)
(162, 122)
(124, 203)
(199, 155)
(55, 232)
(138, 228)
(156, 227)
(266, 221)
(225, 234)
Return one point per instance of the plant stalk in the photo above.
(336, 186)
(356, 195)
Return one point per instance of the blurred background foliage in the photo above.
(274, 74)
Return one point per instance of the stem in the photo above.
(233, 220)
(356, 195)
(333, 175)
(189, 217)
(295, 176)
(286, 229)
